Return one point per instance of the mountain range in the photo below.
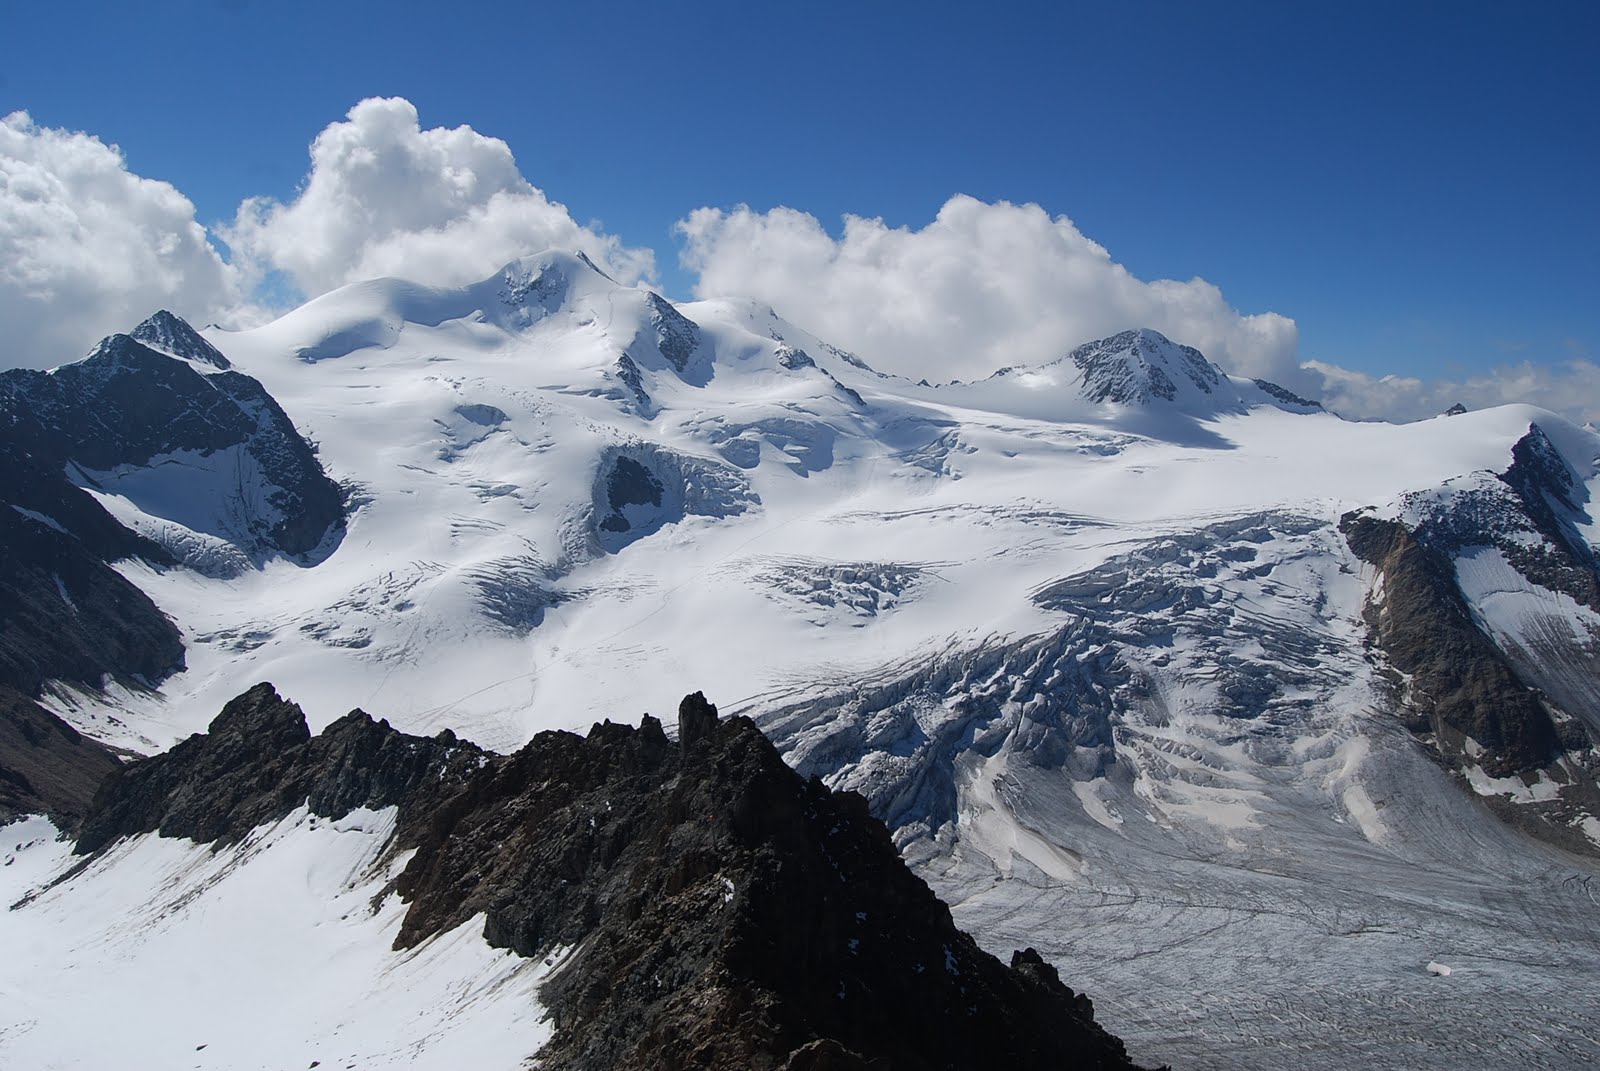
(1273, 732)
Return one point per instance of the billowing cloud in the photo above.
(88, 248)
(981, 287)
(385, 197)
(1571, 388)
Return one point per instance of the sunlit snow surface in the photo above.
(937, 595)
(272, 954)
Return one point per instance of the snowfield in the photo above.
(1099, 663)
(271, 954)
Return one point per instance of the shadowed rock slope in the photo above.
(65, 614)
(721, 911)
(1525, 714)
(46, 766)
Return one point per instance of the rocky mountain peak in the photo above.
(1143, 368)
(172, 334)
(129, 407)
(549, 278)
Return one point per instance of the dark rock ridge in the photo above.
(258, 761)
(46, 766)
(639, 487)
(65, 614)
(1552, 497)
(676, 337)
(1461, 685)
(1530, 513)
(1285, 395)
(1525, 709)
(128, 405)
(721, 911)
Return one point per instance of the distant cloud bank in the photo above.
(88, 247)
(981, 287)
(1571, 388)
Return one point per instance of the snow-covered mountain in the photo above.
(1243, 714)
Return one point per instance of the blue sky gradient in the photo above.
(1413, 184)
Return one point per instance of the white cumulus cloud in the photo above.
(88, 248)
(1571, 388)
(386, 197)
(981, 287)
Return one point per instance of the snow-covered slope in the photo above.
(1089, 635)
(270, 953)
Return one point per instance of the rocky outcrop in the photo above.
(1552, 499)
(132, 406)
(65, 614)
(258, 761)
(1504, 697)
(639, 487)
(46, 766)
(172, 334)
(1460, 686)
(1141, 368)
(1286, 397)
(720, 911)
(157, 417)
(1463, 683)
(675, 336)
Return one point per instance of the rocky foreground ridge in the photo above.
(721, 911)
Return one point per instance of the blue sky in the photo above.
(1412, 184)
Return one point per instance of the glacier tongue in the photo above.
(1192, 794)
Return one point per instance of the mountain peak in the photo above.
(171, 334)
(1143, 367)
(533, 286)
(567, 265)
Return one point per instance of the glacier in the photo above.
(1087, 635)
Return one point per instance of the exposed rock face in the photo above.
(1552, 498)
(258, 762)
(172, 334)
(64, 613)
(46, 766)
(675, 335)
(159, 397)
(131, 406)
(1286, 396)
(724, 912)
(1136, 368)
(640, 487)
(1510, 698)
(1461, 686)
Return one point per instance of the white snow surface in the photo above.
(470, 426)
(1217, 831)
(271, 954)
